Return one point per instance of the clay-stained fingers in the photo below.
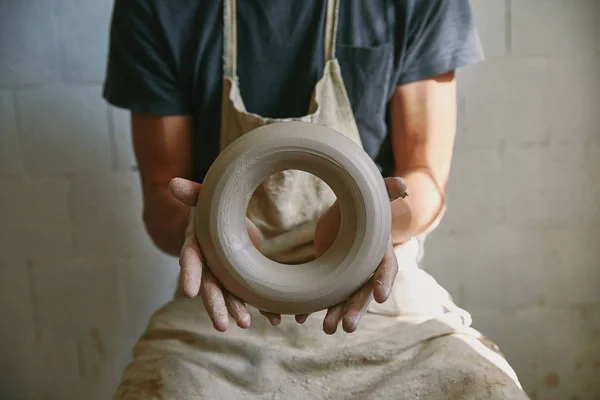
(197, 278)
(301, 318)
(357, 306)
(378, 288)
(237, 310)
(274, 319)
(190, 261)
(333, 317)
(385, 275)
(214, 301)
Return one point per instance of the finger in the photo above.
(357, 306)
(185, 191)
(254, 233)
(237, 310)
(214, 302)
(274, 319)
(190, 261)
(396, 187)
(333, 318)
(385, 275)
(190, 265)
(301, 318)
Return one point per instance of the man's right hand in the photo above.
(196, 278)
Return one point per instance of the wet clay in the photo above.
(293, 289)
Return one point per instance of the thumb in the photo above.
(327, 229)
(396, 187)
(185, 191)
(254, 233)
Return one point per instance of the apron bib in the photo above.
(286, 207)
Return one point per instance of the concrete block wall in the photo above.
(519, 245)
(79, 277)
(518, 248)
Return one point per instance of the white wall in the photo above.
(518, 248)
(520, 245)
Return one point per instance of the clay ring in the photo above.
(293, 289)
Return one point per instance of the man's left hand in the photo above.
(378, 287)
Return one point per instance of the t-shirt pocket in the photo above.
(367, 74)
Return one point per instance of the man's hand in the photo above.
(380, 284)
(195, 278)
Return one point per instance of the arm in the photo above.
(441, 37)
(141, 78)
(423, 129)
(162, 146)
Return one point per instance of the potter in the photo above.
(199, 76)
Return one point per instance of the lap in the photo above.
(180, 356)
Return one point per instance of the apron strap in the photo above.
(331, 26)
(229, 38)
(230, 34)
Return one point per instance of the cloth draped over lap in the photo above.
(429, 352)
(417, 345)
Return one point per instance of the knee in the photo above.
(479, 381)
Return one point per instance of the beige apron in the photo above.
(418, 345)
(286, 207)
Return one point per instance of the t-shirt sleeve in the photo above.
(439, 36)
(141, 74)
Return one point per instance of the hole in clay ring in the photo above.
(293, 289)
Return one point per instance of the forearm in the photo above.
(165, 219)
(420, 211)
(423, 122)
(162, 148)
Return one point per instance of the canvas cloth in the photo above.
(417, 345)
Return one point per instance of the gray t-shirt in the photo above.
(166, 59)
